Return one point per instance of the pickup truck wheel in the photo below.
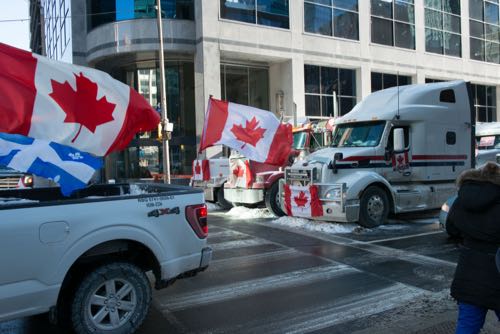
(114, 298)
(374, 207)
(272, 200)
(225, 204)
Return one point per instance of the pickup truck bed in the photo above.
(69, 255)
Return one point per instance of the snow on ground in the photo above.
(316, 226)
(211, 207)
(15, 200)
(240, 212)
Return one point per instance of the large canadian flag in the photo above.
(302, 201)
(69, 104)
(255, 133)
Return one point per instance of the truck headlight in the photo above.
(334, 194)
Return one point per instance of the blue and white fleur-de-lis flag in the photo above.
(70, 168)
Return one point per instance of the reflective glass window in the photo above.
(393, 23)
(273, 13)
(442, 27)
(102, 12)
(245, 85)
(484, 30)
(318, 19)
(484, 98)
(381, 81)
(328, 88)
(337, 18)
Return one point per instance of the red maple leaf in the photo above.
(250, 134)
(81, 106)
(301, 200)
(197, 168)
(238, 171)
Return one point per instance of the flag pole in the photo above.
(165, 132)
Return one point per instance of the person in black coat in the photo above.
(475, 217)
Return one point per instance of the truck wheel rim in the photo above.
(112, 304)
(375, 207)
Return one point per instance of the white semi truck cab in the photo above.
(399, 150)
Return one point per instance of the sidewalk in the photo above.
(432, 313)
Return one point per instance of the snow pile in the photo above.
(211, 207)
(240, 212)
(315, 226)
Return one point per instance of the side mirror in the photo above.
(333, 164)
(399, 140)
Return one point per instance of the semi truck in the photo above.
(211, 175)
(399, 150)
(252, 184)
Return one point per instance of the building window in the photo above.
(484, 28)
(485, 102)
(323, 84)
(383, 80)
(273, 13)
(430, 80)
(337, 18)
(102, 12)
(245, 85)
(442, 27)
(393, 23)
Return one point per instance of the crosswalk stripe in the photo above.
(239, 244)
(225, 264)
(336, 312)
(250, 287)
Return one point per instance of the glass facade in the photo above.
(393, 23)
(442, 27)
(383, 80)
(102, 12)
(485, 102)
(273, 13)
(143, 158)
(245, 85)
(57, 16)
(337, 18)
(484, 28)
(320, 85)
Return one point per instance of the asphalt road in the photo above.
(267, 278)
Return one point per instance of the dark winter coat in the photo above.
(475, 214)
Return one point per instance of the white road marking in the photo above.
(250, 287)
(239, 244)
(403, 237)
(333, 313)
(226, 264)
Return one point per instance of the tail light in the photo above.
(196, 216)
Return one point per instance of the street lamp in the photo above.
(166, 126)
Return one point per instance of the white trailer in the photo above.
(399, 150)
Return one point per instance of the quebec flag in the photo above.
(70, 168)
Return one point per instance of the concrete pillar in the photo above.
(297, 99)
(497, 119)
(363, 82)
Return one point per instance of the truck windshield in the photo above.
(299, 140)
(488, 142)
(363, 134)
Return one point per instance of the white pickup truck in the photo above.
(84, 258)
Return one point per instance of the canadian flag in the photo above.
(302, 201)
(201, 170)
(400, 161)
(255, 133)
(240, 175)
(69, 104)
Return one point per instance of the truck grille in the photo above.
(9, 182)
(300, 177)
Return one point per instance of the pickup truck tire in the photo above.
(374, 207)
(272, 200)
(225, 204)
(114, 298)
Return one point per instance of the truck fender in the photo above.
(275, 177)
(100, 236)
(369, 179)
